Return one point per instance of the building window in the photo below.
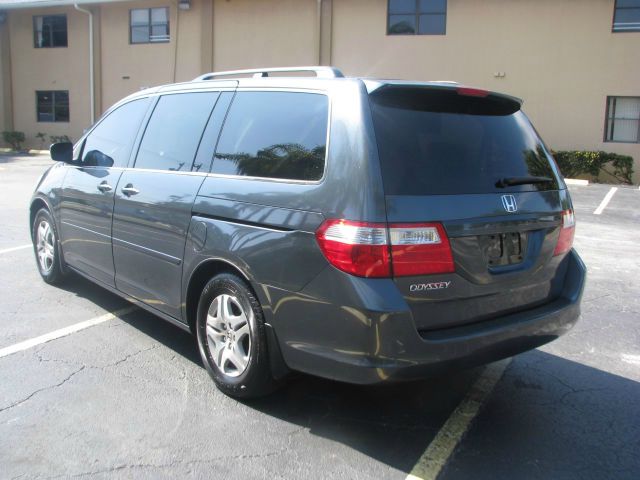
(149, 25)
(623, 119)
(626, 17)
(52, 106)
(50, 31)
(417, 17)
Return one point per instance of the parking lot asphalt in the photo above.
(129, 398)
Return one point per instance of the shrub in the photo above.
(42, 137)
(59, 138)
(575, 162)
(13, 138)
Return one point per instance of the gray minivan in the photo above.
(357, 229)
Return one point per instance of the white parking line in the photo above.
(13, 249)
(605, 201)
(632, 359)
(63, 332)
(435, 457)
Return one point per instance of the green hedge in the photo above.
(573, 163)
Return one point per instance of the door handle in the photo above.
(129, 190)
(104, 187)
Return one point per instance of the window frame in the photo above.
(608, 116)
(417, 15)
(273, 179)
(613, 19)
(35, 30)
(150, 25)
(53, 106)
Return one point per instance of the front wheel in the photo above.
(231, 338)
(45, 246)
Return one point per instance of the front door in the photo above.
(154, 198)
(86, 206)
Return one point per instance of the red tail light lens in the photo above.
(370, 249)
(356, 247)
(420, 249)
(472, 92)
(567, 231)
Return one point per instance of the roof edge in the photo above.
(24, 4)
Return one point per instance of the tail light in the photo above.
(371, 249)
(567, 230)
(420, 249)
(356, 247)
(472, 92)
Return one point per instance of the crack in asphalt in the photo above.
(32, 394)
(176, 463)
(82, 367)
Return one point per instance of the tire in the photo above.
(232, 339)
(45, 246)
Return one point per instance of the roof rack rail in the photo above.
(321, 72)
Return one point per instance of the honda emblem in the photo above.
(509, 203)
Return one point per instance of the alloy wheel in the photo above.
(45, 246)
(228, 335)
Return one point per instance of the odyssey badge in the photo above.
(421, 287)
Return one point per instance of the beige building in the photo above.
(574, 62)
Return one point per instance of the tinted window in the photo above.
(110, 142)
(274, 135)
(439, 142)
(174, 131)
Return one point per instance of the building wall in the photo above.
(35, 69)
(258, 33)
(127, 68)
(6, 110)
(559, 56)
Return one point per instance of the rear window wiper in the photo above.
(511, 181)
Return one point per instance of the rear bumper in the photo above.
(380, 343)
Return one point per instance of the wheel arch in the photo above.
(37, 204)
(199, 278)
(197, 281)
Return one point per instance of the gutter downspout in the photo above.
(91, 79)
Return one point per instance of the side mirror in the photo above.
(62, 152)
(95, 158)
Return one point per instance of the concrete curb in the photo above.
(575, 181)
(31, 152)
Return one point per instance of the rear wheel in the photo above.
(45, 246)
(231, 338)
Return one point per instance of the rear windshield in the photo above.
(437, 142)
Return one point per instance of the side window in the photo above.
(174, 131)
(109, 144)
(274, 135)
